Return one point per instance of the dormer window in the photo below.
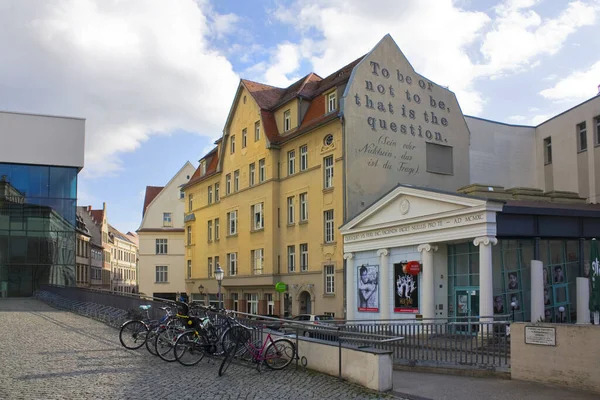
(203, 167)
(331, 102)
(287, 121)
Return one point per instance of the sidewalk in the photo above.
(427, 386)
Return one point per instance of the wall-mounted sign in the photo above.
(412, 268)
(280, 287)
(368, 288)
(542, 336)
(406, 293)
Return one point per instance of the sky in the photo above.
(155, 79)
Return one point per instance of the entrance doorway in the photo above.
(305, 303)
(467, 308)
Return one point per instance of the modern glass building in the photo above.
(38, 203)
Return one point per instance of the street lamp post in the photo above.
(219, 277)
(513, 305)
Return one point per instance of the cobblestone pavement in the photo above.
(50, 354)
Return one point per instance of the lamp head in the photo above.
(219, 273)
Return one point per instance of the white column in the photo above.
(537, 291)
(583, 301)
(428, 285)
(486, 284)
(350, 286)
(384, 283)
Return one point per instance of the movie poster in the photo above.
(406, 291)
(368, 288)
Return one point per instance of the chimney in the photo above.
(89, 208)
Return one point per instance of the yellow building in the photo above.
(266, 203)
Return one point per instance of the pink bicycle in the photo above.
(276, 354)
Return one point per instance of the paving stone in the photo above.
(53, 354)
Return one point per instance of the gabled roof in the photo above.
(98, 215)
(121, 236)
(151, 193)
(212, 161)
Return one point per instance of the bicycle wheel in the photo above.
(280, 353)
(189, 349)
(133, 334)
(151, 341)
(229, 356)
(165, 342)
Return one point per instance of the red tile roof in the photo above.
(151, 193)
(212, 159)
(98, 216)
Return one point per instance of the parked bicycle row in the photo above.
(189, 332)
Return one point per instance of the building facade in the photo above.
(163, 267)
(83, 254)
(123, 262)
(39, 162)
(101, 248)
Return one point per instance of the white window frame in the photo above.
(232, 144)
(189, 235)
(287, 120)
(161, 274)
(258, 218)
(331, 102)
(232, 223)
(291, 211)
(257, 131)
(232, 264)
(303, 207)
(291, 158)
(228, 184)
(291, 258)
(210, 194)
(210, 230)
(236, 180)
(217, 228)
(329, 271)
(189, 269)
(329, 232)
(244, 138)
(203, 167)
(258, 261)
(217, 264)
(328, 163)
(303, 257)
(252, 303)
(270, 303)
(262, 170)
(162, 246)
(252, 174)
(191, 202)
(548, 150)
(209, 267)
(582, 136)
(167, 219)
(304, 157)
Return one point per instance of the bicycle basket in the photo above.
(240, 335)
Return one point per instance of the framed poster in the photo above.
(406, 291)
(368, 288)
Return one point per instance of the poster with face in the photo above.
(368, 288)
(406, 292)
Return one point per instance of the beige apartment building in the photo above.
(123, 261)
(162, 266)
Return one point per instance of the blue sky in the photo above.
(155, 79)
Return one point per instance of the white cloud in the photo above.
(578, 86)
(517, 118)
(538, 119)
(285, 60)
(132, 69)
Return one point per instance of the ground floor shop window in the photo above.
(252, 303)
(270, 304)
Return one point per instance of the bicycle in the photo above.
(242, 337)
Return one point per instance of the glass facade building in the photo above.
(38, 206)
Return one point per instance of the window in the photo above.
(262, 173)
(209, 267)
(228, 184)
(167, 219)
(303, 158)
(303, 207)
(287, 121)
(210, 226)
(216, 263)
(189, 269)
(304, 257)
(244, 138)
(216, 192)
(236, 180)
(329, 233)
(331, 102)
(232, 144)
(252, 303)
(232, 263)
(548, 150)
(597, 119)
(162, 274)
(257, 217)
(232, 222)
(439, 159)
(217, 226)
(582, 137)
(291, 250)
(290, 209)
(257, 261)
(291, 162)
(203, 167)
(181, 194)
(328, 140)
(270, 304)
(189, 235)
(161, 246)
(191, 202)
(210, 198)
(234, 297)
(329, 279)
(257, 131)
(328, 178)
(251, 174)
